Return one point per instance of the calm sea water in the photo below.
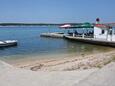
(31, 45)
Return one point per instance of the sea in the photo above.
(33, 47)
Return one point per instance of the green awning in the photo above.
(82, 25)
(85, 25)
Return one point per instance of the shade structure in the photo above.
(82, 25)
(85, 25)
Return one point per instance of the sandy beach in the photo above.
(82, 62)
(13, 76)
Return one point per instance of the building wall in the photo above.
(98, 34)
(113, 38)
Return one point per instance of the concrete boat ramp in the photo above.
(11, 76)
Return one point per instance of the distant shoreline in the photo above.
(36, 24)
(26, 24)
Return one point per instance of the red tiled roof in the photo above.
(102, 26)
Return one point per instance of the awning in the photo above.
(83, 25)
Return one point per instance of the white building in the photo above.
(104, 32)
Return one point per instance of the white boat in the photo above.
(8, 43)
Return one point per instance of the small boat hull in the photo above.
(8, 43)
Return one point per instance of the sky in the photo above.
(56, 11)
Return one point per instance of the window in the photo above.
(103, 31)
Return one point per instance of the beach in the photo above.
(96, 60)
(67, 72)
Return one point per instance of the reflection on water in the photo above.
(31, 45)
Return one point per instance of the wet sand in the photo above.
(96, 60)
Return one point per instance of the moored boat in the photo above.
(8, 43)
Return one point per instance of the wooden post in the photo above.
(73, 33)
(107, 35)
(112, 34)
(83, 33)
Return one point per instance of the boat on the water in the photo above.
(8, 43)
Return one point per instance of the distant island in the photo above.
(36, 24)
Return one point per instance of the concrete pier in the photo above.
(92, 41)
(80, 39)
(53, 35)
